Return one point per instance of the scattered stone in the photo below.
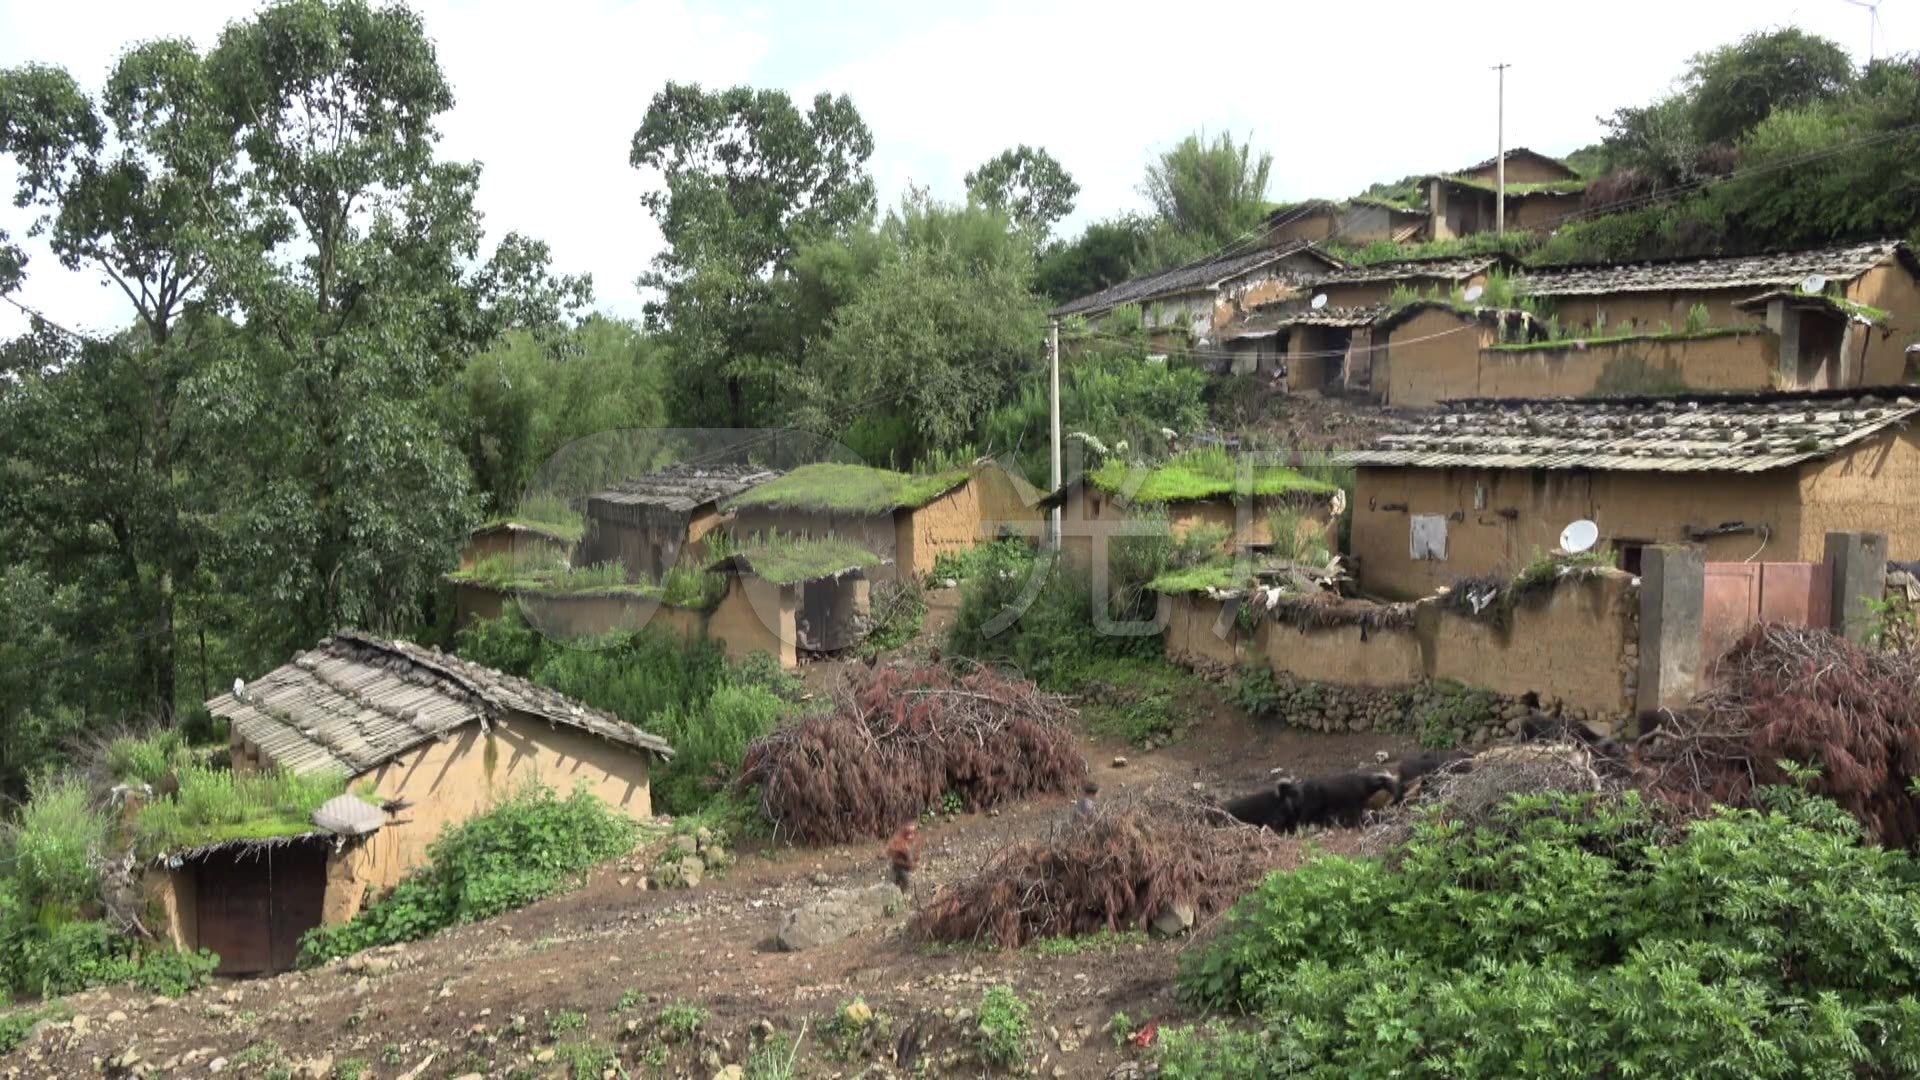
(217, 1065)
(544, 1056)
(838, 915)
(1119, 762)
(116, 1017)
(80, 1023)
(820, 879)
(730, 1072)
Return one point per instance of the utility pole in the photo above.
(1053, 357)
(1500, 157)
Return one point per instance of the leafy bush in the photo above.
(1256, 691)
(146, 759)
(898, 612)
(528, 847)
(1051, 636)
(172, 972)
(963, 566)
(1006, 1026)
(75, 956)
(708, 742)
(55, 843)
(1567, 931)
(220, 804)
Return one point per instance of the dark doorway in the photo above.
(254, 904)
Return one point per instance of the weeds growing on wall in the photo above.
(1036, 614)
(899, 609)
(1568, 932)
(528, 847)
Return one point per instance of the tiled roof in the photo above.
(684, 487)
(1269, 323)
(1422, 270)
(1748, 271)
(1200, 276)
(1816, 301)
(355, 702)
(1521, 151)
(1697, 433)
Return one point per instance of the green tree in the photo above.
(1028, 185)
(1104, 255)
(1659, 141)
(1207, 194)
(748, 178)
(1735, 87)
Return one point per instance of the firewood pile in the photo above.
(898, 740)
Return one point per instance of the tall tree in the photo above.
(1734, 87)
(1026, 184)
(747, 179)
(1208, 194)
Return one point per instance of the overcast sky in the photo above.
(1342, 93)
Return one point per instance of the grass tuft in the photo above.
(850, 489)
(1204, 474)
(218, 805)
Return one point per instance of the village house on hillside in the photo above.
(1358, 221)
(1541, 193)
(1483, 487)
(809, 594)
(648, 524)
(435, 738)
(518, 541)
(1184, 304)
(1244, 502)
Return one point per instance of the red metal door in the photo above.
(1741, 595)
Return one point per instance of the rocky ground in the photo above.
(617, 979)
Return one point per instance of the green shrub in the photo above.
(172, 972)
(1256, 691)
(55, 843)
(1052, 637)
(215, 804)
(963, 566)
(146, 759)
(506, 644)
(899, 610)
(75, 956)
(1006, 1027)
(1568, 931)
(708, 742)
(526, 848)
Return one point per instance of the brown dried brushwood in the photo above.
(898, 739)
(1115, 867)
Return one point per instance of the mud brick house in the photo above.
(1360, 220)
(647, 525)
(1541, 191)
(1481, 487)
(1322, 347)
(907, 520)
(807, 595)
(1185, 304)
(518, 541)
(1876, 281)
(435, 737)
(1365, 286)
(1196, 490)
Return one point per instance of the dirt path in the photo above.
(540, 992)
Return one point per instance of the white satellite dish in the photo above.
(1319, 301)
(1472, 294)
(1814, 283)
(1579, 536)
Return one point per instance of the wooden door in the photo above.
(253, 906)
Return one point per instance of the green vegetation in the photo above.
(534, 572)
(849, 489)
(1005, 1027)
(1217, 574)
(1103, 941)
(789, 560)
(680, 1021)
(899, 610)
(217, 806)
(1566, 930)
(963, 566)
(1145, 702)
(1626, 337)
(528, 847)
(1203, 474)
(1485, 243)
(1037, 614)
(1553, 187)
(548, 513)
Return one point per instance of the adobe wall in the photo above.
(505, 542)
(1650, 312)
(1894, 290)
(1872, 487)
(1576, 645)
(950, 523)
(1541, 210)
(1498, 519)
(1087, 506)
(877, 533)
(1433, 356)
(1727, 362)
(1310, 227)
(1520, 170)
(473, 601)
(1360, 293)
(1009, 506)
(453, 779)
(757, 616)
(173, 901)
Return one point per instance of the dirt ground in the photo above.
(549, 990)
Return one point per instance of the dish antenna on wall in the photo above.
(1579, 536)
(1319, 301)
(1814, 284)
(1472, 294)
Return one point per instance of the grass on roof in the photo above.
(1630, 336)
(547, 513)
(1203, 474)
(1516, 243)
(1557, 187)
(1214, 574)
(532, 572)
(217, 806)
(789, 560)
(850, 489)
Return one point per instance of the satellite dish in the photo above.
(1579, 536)
(1319, 301)
(1815, 283)
(1472, 294)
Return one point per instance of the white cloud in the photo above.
(1343, 94)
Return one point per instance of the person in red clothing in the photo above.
(903, 855)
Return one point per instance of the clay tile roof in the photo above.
(1815, 301)
(1692, 433)
(1202, 276)
(684, 487)
(355, 702)
(1748, 271)
(1422, 270)
(1269, 323)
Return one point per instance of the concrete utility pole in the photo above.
(1500, 157)
(1053, 356)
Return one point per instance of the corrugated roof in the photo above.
(355, 702)
(1269, 323)
(1696, 433)
(1748, 271)
(683, 488)
(1202, 276)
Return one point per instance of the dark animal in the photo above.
(1408, 771)
(1335, 799)
(1537, 727)
(168, 786)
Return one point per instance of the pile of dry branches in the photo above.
(1788, 693)
(1469, 791)
(1117, 867)
(898, 739)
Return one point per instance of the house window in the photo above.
(1429, 537)
(1627, 554)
